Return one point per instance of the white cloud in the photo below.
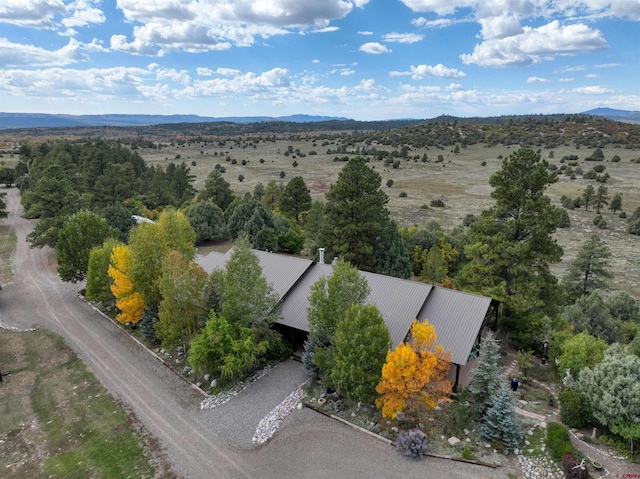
(15, 54)
(228, 72)
(84, 13)
(399, 74)
(536, 80)
(119, 43)
(565, 80)
(374, 48)
(347, 72)
(365, 33)
(535, 45)
(327, 30)
(204, 72)
(591, 75)
(591, 90)
(315, 60)
(403, 37)
(500, 27)
(435, 71)
(31, 13)
(198, 26)
(437, 23)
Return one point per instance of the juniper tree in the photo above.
(501, 422)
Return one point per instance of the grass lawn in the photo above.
(56, 420)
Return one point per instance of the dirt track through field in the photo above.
(308, 446)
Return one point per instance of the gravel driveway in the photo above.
(198, 443)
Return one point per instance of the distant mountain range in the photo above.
(616, 115)
(44, 120)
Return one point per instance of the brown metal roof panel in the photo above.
(457, 317)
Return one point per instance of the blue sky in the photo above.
(361, 59)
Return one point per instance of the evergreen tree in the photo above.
(501, 422)
(511, 245)
(624, 306)
(590, 269)
(590, 313)
(588, 196)
(393, 258)
(355, 215)
(272, 193)
(486, 377)
(616, 203)
(295, 198)
(217, 190)
(119, 217)
(434, 268)
(98, 280)
(601, 198)
(207, 220)
(361, 343)
(147, 325)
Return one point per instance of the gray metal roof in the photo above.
(457, 317)
(398, 300)
(211, 261)
(280, 271)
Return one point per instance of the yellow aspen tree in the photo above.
(128, 301)
(414, 374)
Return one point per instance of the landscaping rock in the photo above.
(453, 440)
(270, 423)
(543, 425)
(394, 429)
(214, 383)
(221, 398)
(206, 378)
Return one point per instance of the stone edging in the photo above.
(142, 345)
(389, 442)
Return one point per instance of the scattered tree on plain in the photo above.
(589, 271)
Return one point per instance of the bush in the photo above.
(437, 203)
(569, 463)
(634, 228)
(590, 175)
(240, 178)
(403, 194)
(484, 163)
(615, 159)
(563, 219)
(574, 409)
(468, 219)
(467, 453)
(558, 440)
(597, 219)
(599, 168)
(244, 162)
(412, 443)
(261, 160)
(389, 183)
(282, 174)
(622, 215)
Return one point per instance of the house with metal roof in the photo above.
(458, 317)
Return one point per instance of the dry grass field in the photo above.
(459, 180)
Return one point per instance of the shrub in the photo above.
(615, 159)
(261, 160)
(403, 194)
(602, 224)
(558, 440)
(294, 164)
(573, 176)
(244, 162)
(552, 167)
(599, 168)
(578, 170)
(567, 202)
(193, 163)
(234, 161)
(467, 453)
(438, 203)
(573, 163)
(282, 174)
(590, 175)
(484, 163)
(597, 219)
(634, 228)
(574, 409)
(622, 215)
(563, 219)
(389, 183)
(468, 219)
(240, 178)
(412, 443)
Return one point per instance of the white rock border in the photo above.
(269, 424)
(8, 327)
(219, 399)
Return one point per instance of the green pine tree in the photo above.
(501, 424)
(486, 377)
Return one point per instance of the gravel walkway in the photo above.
(236, 421)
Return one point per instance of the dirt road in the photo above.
(308, 446)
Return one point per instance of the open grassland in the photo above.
(57, 421)
(460, 181)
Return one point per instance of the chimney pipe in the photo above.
(321, 252)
